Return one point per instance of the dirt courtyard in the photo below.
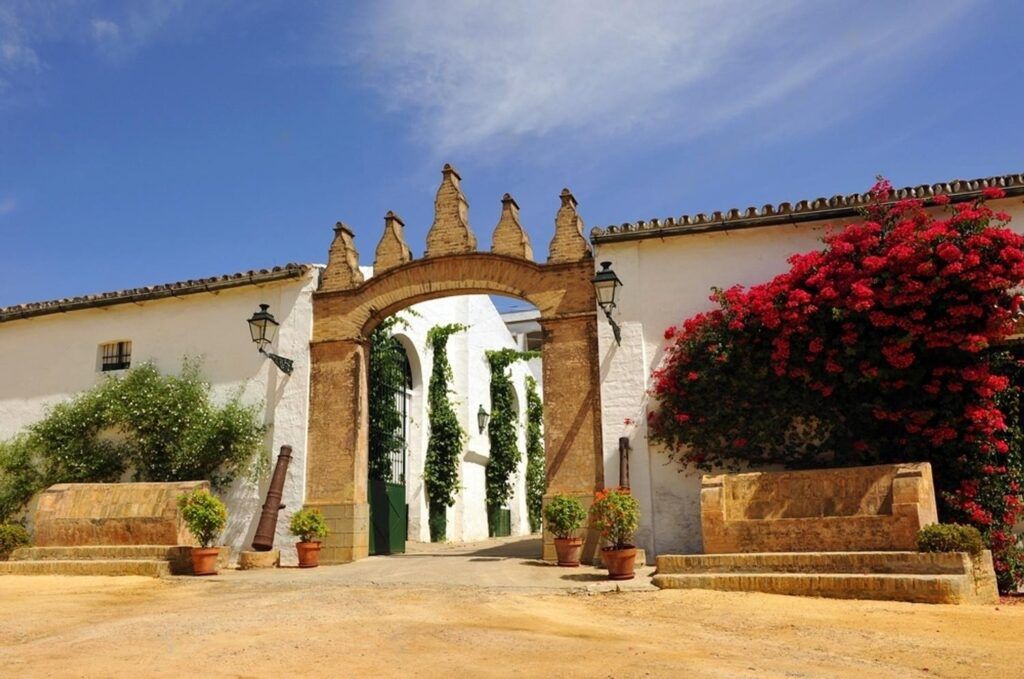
(331, 623)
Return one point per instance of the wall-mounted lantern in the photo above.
(481, 418)
(606, 285)
(263, 328)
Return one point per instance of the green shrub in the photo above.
(564, 515)
(616, 513)
(12, 536)
(204, 515)
(308, 525)
(170, 430)
(950, 537)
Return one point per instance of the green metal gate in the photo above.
(389, 403)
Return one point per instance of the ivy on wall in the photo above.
(536, 478)
(387, 373)
(501, 429)
(160, 427)
(447, 438)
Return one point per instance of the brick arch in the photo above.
(554, 289)
(346, 308)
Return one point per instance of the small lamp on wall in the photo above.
(263, 328)
(481, 418)
(606, 285)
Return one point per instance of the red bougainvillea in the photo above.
(884, 346)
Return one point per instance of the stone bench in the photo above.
(77, 514)
(877, 508)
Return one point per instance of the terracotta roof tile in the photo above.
(149, 292)
(815, 209)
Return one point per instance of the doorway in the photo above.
(391, 394)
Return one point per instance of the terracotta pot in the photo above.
(568, 551)
(309, 554)
(619, 562)
(204, 560)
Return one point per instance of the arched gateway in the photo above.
(346, 309)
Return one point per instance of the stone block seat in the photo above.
(839, 533)
(107, 529)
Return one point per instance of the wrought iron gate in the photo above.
(388, 510)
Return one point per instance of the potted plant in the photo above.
(616, 514)
(205, 517)
(564, 515)
(309, 526)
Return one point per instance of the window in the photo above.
(534, 340)
(115, 356)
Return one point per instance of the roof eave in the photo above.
(155, 292)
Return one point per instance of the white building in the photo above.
(668, 268)
(53, 350)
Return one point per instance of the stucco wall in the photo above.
(49, 358)
(664, 282)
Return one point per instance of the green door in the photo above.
(499, 522)
(390, 387)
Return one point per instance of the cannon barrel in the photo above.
(264, 539)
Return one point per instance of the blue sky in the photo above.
(145, 142)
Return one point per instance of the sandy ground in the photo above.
(334, 622)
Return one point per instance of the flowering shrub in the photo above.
(616, 515)
(878, 348)
(160, 427)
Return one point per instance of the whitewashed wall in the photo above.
(48, 359)
(664, 282)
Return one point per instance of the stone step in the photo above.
(909, 563)
(153, 568)
(104, 552)
(933, 589)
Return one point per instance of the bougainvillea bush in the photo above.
(884, 346)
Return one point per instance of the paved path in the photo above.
(503, 563)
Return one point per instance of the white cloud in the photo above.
(29, 28)
(104, 29)
(481, 74)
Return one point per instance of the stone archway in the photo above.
(346, 308)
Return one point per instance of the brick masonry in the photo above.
(392, 250)
(346, 310)
(880, 507)
(70, 514)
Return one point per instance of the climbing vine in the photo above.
(501, 429)
(444, 449)
(159, 427)
(536, 478)
(387, 373)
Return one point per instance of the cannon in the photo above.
(264, 538)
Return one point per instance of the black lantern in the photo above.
(606, 285)
(263, 328)
(481, 418)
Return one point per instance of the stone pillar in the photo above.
(572, 415)
(337, 447)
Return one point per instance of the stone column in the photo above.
(572, 415)
(337, 447)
